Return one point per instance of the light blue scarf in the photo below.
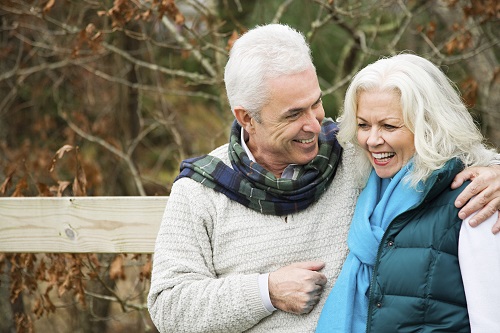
(346, 308)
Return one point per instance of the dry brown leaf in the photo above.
(65, 286)
(232, 39)
(80, 181)
(23, 323)
(48, 6)
(22, 185)
(59, 154)
(179, 18)
(116, 270)
(469, 90)
(431, 30)
(49, 306)
(146, 270)
(64, 149)
(38, 308)
(44, 190)
(58, 190)
(5, 184)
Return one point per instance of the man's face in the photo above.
(290, 123)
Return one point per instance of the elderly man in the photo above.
(255, 232)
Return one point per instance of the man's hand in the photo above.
(485, 188)
(297, 288)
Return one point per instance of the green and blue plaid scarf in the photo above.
(256, 188)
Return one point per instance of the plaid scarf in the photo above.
(256, 188)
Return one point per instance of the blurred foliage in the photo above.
(107, 97)
(137, 86)
(65, 292)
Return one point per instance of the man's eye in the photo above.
(293, 115)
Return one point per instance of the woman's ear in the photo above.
(244, 119)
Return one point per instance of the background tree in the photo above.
(107, 97)
(139, 85)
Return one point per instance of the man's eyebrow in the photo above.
(293, 110)
(319, 98)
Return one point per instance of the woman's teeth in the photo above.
(382, 156)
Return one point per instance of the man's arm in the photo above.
(484, 191)
(186, 293)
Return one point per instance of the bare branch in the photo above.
(182, 41)
(402, 27)
(281, 9)
(196, 77)
(145, 87)
(125, 157)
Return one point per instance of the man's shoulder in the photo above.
(186, 184)
(221, 152)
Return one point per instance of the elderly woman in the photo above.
(413, 266)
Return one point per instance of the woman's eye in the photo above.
(388, 127)
(363, 126)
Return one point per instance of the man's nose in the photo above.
(314, 119)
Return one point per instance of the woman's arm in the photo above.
(479, 257)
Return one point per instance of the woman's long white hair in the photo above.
(432, 110)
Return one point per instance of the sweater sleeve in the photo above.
(186, 294)
(479, 256)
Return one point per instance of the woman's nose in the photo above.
(374, 137)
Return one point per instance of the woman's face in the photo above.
(387, 142)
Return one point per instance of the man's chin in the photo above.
(303, 161)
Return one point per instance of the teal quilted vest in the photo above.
(417, 284)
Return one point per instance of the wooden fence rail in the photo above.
(80, 224)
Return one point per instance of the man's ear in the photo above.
(244, 118)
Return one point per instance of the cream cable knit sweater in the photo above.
(210, 251)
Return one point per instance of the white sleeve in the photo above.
(479, 257)
(264, 292)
